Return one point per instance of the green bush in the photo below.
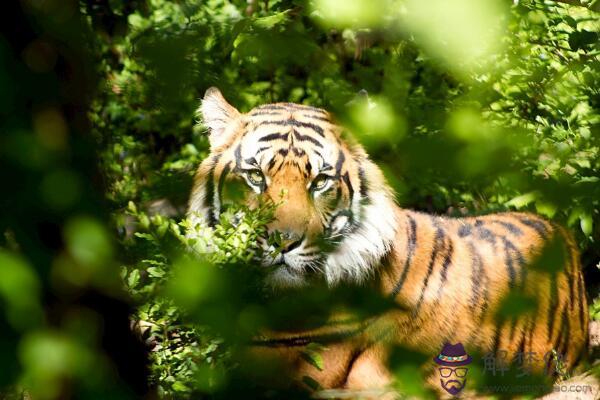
(471, 108)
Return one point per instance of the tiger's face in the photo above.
(326, 192)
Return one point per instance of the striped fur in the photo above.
(449, 275)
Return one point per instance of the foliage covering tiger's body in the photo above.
(449, 275)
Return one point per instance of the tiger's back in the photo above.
(486, 282)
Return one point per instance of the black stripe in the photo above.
(338, 196)
(464, 230)
(238, 156)
(486, 234)
(577, 291)
(559, 337)
(566, 333)
(298, 341)
(582, 301)
(531, 330)
(411, 238)
(260, 150)
(571, 284)
(439, 241)
(346, 179)
(274, 136)
(265, 112)
(513, 326)
(298, 152)
(445, 264)
(521, 345)
(512, 228)
(364, 190)
(281, 164)
(340, 163)
(317, 117)
(283, 153)
(325, 167)
(552, 306)
(251, 161)
(209, 192)
(523, 269)
(293, 122)
(476, 274)
(209, 197)
(271, 107)
(519, 258)
(496, 342)
(289, 107)
(306, 138)
(224, 173)
(315, 151)
(537, 225)
(294, 244)
(305, 107)
(570, 274)
(484, 296)
(508, 246)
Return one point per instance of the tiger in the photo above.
(448, 275)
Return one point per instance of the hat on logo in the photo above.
(453, 355)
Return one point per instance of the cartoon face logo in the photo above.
(452, 368)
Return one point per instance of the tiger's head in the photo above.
(327, 190)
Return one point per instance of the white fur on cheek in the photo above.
(358, 255)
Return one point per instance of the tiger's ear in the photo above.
(217, 114)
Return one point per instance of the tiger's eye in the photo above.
(320, 182)
(256, 177)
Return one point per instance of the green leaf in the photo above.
(581, 39)
(19, 290)
(311, 383)
(131, 207)
(587, 223)
(88, 241)
(588, 179)
(179, 387)
(522, 200)
(546, 208)
(571, 21)
(146, 236)
(271, 21)
(133, 278)
(312, 355)
(156, 272)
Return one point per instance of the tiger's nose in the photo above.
(290, 240)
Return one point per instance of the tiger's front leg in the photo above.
(303, 366)
(369, 375)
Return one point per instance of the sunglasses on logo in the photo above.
(459, 372)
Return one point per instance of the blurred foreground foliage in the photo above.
(472, 107)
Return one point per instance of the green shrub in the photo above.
(497, 107)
